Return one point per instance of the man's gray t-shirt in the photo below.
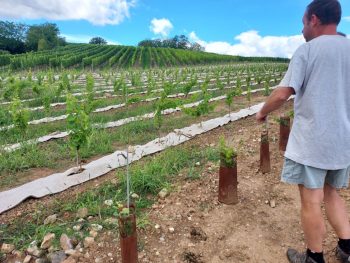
(319, 72)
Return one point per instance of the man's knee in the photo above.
(330, 193)
(311, 197)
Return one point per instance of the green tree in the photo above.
(98, 41)
(12, 36)
(43, 45)
(44, 36)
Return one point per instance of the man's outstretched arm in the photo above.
(277, 98)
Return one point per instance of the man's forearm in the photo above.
(277, 98)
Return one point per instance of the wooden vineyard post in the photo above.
(228, 183)
(265, 166)
(284, 132)
(128, 236)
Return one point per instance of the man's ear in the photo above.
(315, 21)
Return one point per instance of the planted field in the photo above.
(59, 130)
(87, 56)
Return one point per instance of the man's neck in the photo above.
(326, 30)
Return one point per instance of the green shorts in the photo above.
(313, 178)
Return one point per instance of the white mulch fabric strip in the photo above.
(59, 182)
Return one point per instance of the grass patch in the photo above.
(147, 178)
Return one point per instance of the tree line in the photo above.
(178, 42)
(19, 38)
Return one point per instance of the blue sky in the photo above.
(246, 27)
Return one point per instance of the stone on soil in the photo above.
(65, 242)
(50, 220)
(27, 259)
(7, 248)
(163, 193)
(69, 260)
(57, 257)
(88, 241)
(47, 242)
(82, 212)
(33, 250)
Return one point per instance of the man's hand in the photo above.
(260, 118)
(276, 99)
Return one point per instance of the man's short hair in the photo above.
(328, 11)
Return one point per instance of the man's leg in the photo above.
(311, 217)
(336, 212)
(313, 225)
(338, 218)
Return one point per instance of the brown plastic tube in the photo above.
(284, 132)
(228, 185)
(265, 166)
(128, 236)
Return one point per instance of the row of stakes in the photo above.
(227, 193)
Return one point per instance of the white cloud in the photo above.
(85, 39)
(252, 44)
(161, 26)
(346, 18)
(98, 12)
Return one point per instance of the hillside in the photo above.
(93, 56)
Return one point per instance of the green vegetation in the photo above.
(227, 154)
(96, 55)
(148, 177)
(78, 124)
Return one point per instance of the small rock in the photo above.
(171, 229)
(98, 260)
(72, 252)
(88, 241)
(33, 250)
(163, 193)
(135, 196)
(110, 255)
(27, 259)
(50, 220)
(42, 260)
(273, 203)
(57, 257)
(77, 227)
(82, 212)
(108, 202)
(112, 221)
(17, 253)
(96, 227)
(47, 241)
(93, 233)
(7, 248)
(69, 260)
(198, 163)
(157, 253)
(65, 242)
(157, 226)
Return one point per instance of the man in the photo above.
(318, 152)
